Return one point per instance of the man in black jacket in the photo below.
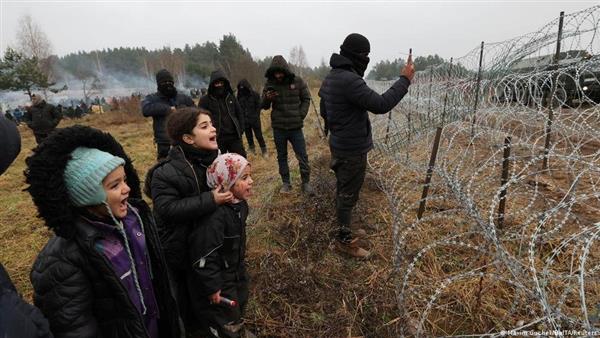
(290, 99)
(159, 105)
(17, 317)
(226, 112)
(41, 117)
(250, 102)
(345, 102)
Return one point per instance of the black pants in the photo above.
(350, 175)
(179, 289)
(231, 144)
(222, 318)
(296, 138)
(254, 125)
(162, 150)
(39, 137)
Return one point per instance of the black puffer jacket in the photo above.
(74, 284)
(158, 107)
(42, 117)
(345, 102)
(291, 104)
(224, 111)
(181, 198)
(249, 100)
(19, 319)
(217, 250)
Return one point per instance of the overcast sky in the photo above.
(448, 28)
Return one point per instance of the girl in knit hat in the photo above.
(103, 273)
(218, 283)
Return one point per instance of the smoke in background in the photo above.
(95, 85)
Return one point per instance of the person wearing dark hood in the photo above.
(41, 117)
(18, 319)
(159, 105)
(103, 274)
(345, 102)
(250, 102)
(289, 98)
(226, 112)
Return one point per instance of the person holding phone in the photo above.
(345, 102)
(288, 96)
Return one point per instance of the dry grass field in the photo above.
(300, 287)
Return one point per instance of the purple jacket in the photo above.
(136, 279)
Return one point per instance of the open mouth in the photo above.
(123, 203)
(213, 138)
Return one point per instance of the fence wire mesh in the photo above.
(469, 266)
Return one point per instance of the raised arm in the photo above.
(360, 94)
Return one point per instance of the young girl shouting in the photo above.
(180, 194)
(218, 283)
(103, 274)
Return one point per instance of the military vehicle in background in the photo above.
(529, 80)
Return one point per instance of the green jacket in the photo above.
(290, 106)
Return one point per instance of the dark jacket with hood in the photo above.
(158, 106)
(74, 283)
(249, 100)
(42, 117)
(227, 115)
(345, 102)
(181, 198)
(291, 104)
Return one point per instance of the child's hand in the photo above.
(221, 197)
(215, 298)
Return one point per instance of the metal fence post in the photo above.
(434, 151)
(505, 167)
(554, 85)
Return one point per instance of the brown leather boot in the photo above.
(352, 248)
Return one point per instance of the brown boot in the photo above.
(352, 248)
(360, 233)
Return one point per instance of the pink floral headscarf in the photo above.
(225, 170)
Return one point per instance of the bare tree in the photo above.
(32, 41)
(302, 62)
(298, 59)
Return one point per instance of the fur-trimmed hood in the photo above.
(45, 170)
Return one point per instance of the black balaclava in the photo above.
(165, 83)
(353, 47)
(243, 90)
(219, 91)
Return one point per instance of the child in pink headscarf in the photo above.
(218, 283)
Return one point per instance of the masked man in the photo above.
(159, 105)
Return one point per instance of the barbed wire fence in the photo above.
(491, 166)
